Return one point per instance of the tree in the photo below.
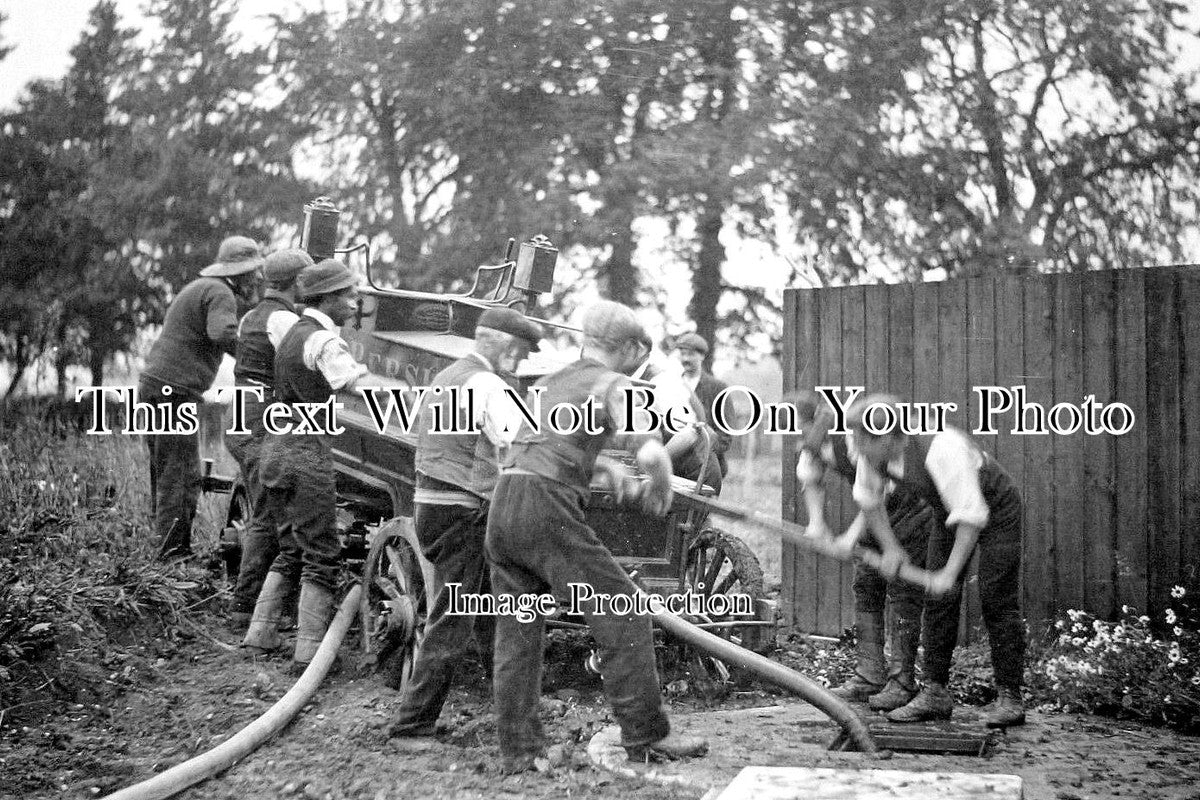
(990, 134)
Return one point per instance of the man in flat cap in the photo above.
(200, 325)
(299, 493)
(538, 540)
(691, 350)
(456, 474)
(259, 333)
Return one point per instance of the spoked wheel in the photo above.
(233, 535)
(720, 564)
(393, 602)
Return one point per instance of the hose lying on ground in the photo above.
(772, 672)
(251, 737)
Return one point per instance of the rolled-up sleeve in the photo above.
(810, 470)
(328, 353)
(499, 416)
(953, 464)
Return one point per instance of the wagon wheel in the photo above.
(233, 535)
(393, 602)
(719, 563)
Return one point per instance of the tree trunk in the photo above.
(619, 280)
(706, 277)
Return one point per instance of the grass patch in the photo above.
(78, 578)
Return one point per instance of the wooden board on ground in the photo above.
(810, 783)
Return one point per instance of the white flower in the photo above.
(1060, 624)
(1077, 641)
(1178, 631)
(1124, 609)
(1178, 592)
(1170, 616)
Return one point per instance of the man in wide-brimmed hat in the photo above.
(299, 493)
(200, 325)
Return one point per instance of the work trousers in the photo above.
(451, 538)
(300, 499)
(260, 537)
(999, 550)
(910, 522)
(174, 472)
(537, 541)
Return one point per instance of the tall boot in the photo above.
(903, 635)
(263, 634)
(868, 674)
(316, 606)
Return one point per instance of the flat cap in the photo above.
(326, 277)
(237, 255)
(283, 266)
(512, 322)
(612, 324)
(691, 341)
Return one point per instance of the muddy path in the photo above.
(178, 705)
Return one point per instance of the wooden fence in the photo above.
(1109, 520)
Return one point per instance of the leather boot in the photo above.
(932, 702)
(903, 635)
(316, 606)
(1009, 708)
(672, 746)
(868, 674)
(263, 634)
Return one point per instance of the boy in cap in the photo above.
(883, 685)
(692, 349)
(200, 325)
(299, 484)
(259, 333)
(975, 505)
(456, 474)
(538, 539)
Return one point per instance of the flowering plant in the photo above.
(1128, 668)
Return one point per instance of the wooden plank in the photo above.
(1038, 382)
(1099, 467)
(876, 302)
(1162, 432)
(980, 340)
(1133, 532)
(900, 341)
(854, 373)
(952, 388)
(805, 365)
(789, 499)
(925, 342)
(825, 783)
(1010, 370)
(1189, 388)
(1069, 498)
(828, 575)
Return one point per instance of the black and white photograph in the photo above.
(641, 399)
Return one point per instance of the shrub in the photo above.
(1129, 668)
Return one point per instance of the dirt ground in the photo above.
(186, 697)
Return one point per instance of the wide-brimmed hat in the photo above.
(325, 277)
(283, 266)
(690, 341)
(512, 322)
(237, 255)
(612, 324)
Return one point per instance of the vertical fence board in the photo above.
(1130, 356)
(1038, 382)
(1162, 434)
(1067, 449)
(925, 342)
(828, 573)
(952, 383)
(1010, 371)
(1189, 392)
(808, 351)
(981, 371)
(788, 494)
(854, 373)
(900, 340)
(1099, 470)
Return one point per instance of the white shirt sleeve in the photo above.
(810, 470)
(499, 418)
(954, 464)
(870, 488)
(328, 353)
(278, 324)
